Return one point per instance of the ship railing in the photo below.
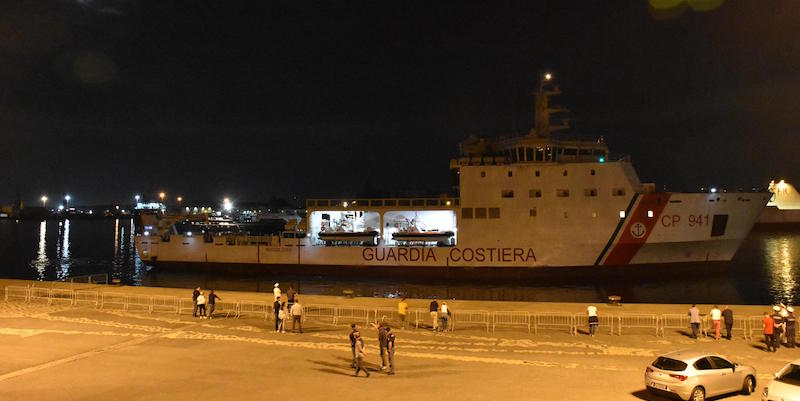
(113, 300)
(637, 321)
(62, 296)
(554, 321)
(17, 293)
(463, 317)
(164, 303)
(511, 319)
(738, 325)
(39, 294)
(226, 307)
(85, 297)
(323, 312)
(351, 314)
(258, 308)
(674, 321)
(138, 302)
(603, 322)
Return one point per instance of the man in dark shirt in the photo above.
(353, 333)
(390, 349)
(727, 316)
(434, 313)
(777, 319)
(382, 339)
(195, 294)
(276, 307)
(212, 303)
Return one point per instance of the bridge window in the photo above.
(466, 213)
(322, 203)
(590, 192)
(540, 153)
(618, 192)
(480, 212)
(403, 202)
(535, 193)
(521, 154)
(533, 212)
(510, 174)
(513, 156)
(418, 202)
(562, 193)
(483, 174)
(537, 173)
(389, 202)
(507, 193)
(494, 213)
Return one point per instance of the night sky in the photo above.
(205, 99)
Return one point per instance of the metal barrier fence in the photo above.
(39, 294)
(14, 293)
(61, 296)
(112, 300)
(185, 305)
(421, 316)
(100, 278)
(351, 314)
(675, 321)
(83, 297)
(388, 315)
(738, 325)
(462, 317)
(225, 307)
(139, 302)
(637, 320)
(321, 312)
(256, 308)
(511, 319)
(603, 321)
(164, 303)
(555, 320)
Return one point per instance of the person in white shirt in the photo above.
(201, 304)
(297, 315)
(716, 317)
(276, 292)
(594, 321)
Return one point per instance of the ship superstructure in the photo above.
(523, 201)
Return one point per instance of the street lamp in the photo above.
(137, 197)
(180, 199)
(162, 196)
(44, 200)
(67, 198)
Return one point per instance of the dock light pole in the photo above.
(44, 200)
(137, 197)
(67, 199)
(180, 199)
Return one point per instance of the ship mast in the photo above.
(542, 109)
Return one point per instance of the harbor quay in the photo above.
(135, 347)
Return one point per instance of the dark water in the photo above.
(766, 270)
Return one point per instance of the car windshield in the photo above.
(790, 375)
(669, 364)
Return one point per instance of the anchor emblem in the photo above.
(638, 230)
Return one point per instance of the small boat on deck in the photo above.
(354, 237)
(439, 237)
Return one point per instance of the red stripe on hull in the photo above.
(637, 229)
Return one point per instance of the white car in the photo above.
(695, 375)
(786, 384)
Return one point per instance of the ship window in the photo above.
(565, 173)
(466, 213)
(535, 193)
(621, 214)
(389, 202)
(403, 202)
(483, 174)
(513, 156)
(529, 154)
(618, 192)
(719, 224)
(510, 174)
(538, 173)
(521, 154)
(480, 212)
(590, 192)
(570, 152)
(431, 202)
(533, 212)
(507, 193)
(418, 202)
(591, 172)
(494, 212)
(322, 203)
(540, 154)
(562, 193)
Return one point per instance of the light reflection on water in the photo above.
(764, 271)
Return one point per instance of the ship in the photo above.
(520, 201)
(783, 206)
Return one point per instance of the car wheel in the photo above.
(749, 385)
(698, 394)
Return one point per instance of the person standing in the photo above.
(694, 319)
(727, 316)
(276, 291)
(402, 312)
(791, 326)
(353, 332)
(282, 317)
(290, 296)
(769, 331)
(716, 318)
(297, 315)
(445, 316)
(361, 352)
(195, 294)
(276, 309)
(434, 314)
(201, 304)
(390, 349)
(777, 326)
(594, 321)
(212, 303)
(382, 338)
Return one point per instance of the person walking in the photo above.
(390, 349)
(402, 312)
(276, 291)
(777, 326)
(444, 314)
(353, 332)
(212, 303)
(361, 352)
(297, 315)
(716, 318)
(382, 338)
(727, 317)
(594, 321)
(791, 327)
(282, 318)
(195, 294)
(694, 319)
(769, 331)
(276, 309)
(201, 304)
(434, 308)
